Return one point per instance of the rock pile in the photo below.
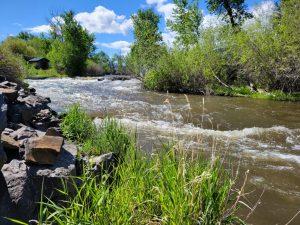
(33, 153)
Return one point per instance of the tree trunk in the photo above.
(229, 12)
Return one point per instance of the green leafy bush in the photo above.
(11, 67)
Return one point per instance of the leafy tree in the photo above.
(147, 38)
(102, 59)
(118, 62)
(72, 46)
(186, 21)
(25, 36)
(234, 11)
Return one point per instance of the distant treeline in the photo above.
(262, 53)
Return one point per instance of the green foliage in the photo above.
(109, 136)
(264, 54)
(72, 46)
(165, 188)
(12, 67)
(234, 11)
(25, 36)
(32, 72)
(77, 125)
(103, 60)
(186, 21)
(94, 69)
(18, 47)
(146, 47)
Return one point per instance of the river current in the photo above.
(261, 136)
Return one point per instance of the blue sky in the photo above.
(109, 20)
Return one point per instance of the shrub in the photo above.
(94, 69)
(11, 67)
(19, 47)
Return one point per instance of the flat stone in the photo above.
(9, 141)
(44, 150)
(10, 93)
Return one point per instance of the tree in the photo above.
(147, 38)
(25, 36)
(186, 21)
(103, 60)
(72, 45)
(233, 11)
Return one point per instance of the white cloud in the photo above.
(169, 37)
(265, 9)
(39, 29)
(17, 24)
(150, 2)
(163, 7)
(101, 20)
(123, 46)
(262, 13)
(210, 20)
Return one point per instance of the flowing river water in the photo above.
(260, 135)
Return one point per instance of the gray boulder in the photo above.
(22, 185)
(103, 164)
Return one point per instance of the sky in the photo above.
(109, 20)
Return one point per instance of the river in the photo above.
(260, 135)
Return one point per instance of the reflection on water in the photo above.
(264, 136)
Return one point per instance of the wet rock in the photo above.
(22, 184)
(3, 111)
(43, 150)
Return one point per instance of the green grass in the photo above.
(33, 73)
(165, 188)
(109, 136)
(173, 186)
(245, 91)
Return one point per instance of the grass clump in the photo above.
(77, 125)
(109, 136)
(165, 188)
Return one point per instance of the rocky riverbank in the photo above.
(34, 156)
